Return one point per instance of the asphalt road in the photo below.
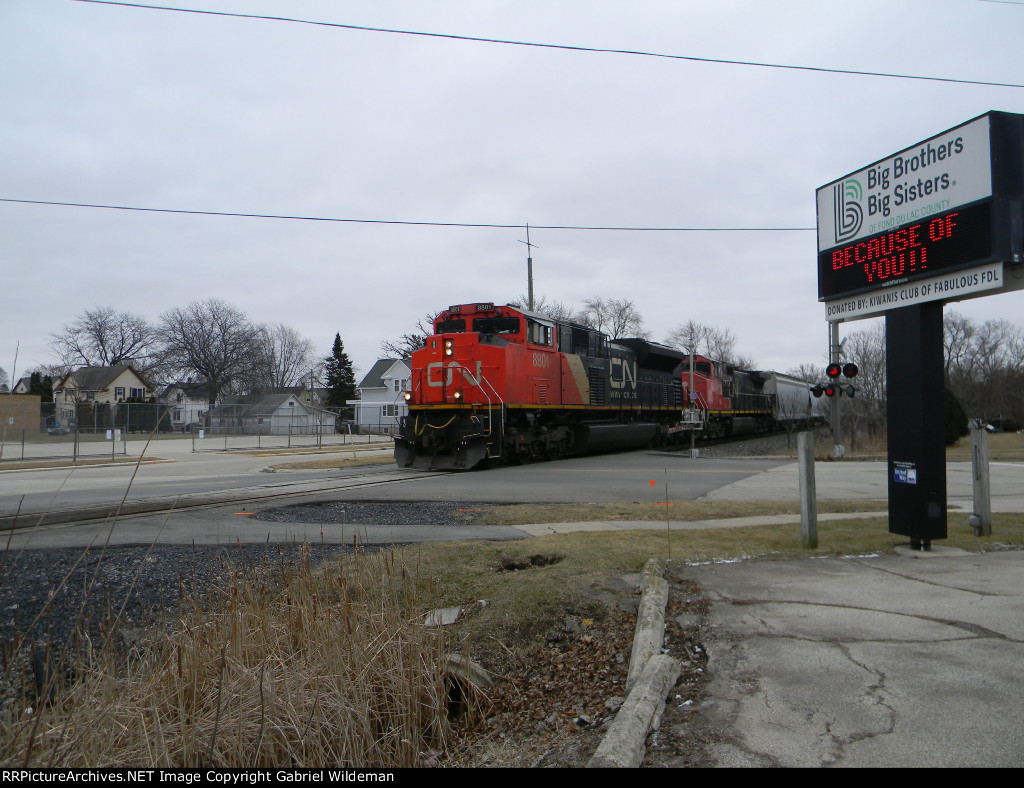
(209, 498)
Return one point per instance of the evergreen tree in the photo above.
(341, 379)
(41, 384)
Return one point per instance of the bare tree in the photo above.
(5, 385)
(284, 357)
(104, 337)
(616, 317)
(690, 336)
(984, 365)
(407, 344)
(556, 310)
(210, 340)
(715, 343)
(865, 414)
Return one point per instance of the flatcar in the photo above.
(503, 384)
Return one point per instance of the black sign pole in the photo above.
(916, 423)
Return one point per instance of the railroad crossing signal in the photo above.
(833, 388)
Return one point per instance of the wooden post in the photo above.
(808, 493)
(979, 474)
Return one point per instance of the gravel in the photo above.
(377, 513)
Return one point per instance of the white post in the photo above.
(808, 493)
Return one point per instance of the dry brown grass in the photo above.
(283, 666)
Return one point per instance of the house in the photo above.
(275, 412)
(22, 386)
(381, 404)
(188, 402)
(324, 420)
(84, 391)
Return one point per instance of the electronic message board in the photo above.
(945, 204)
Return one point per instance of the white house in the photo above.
(276, 412)
(381, 404)
(92, 386)
(188, 402)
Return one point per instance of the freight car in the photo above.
(498, 383)
(727, 401)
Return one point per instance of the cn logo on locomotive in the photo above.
(449, 374)
(626, 376)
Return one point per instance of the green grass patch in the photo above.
(523, 604)
(1001, 446)
(678, 511)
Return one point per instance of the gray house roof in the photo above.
(374, 378)
(98, 378)
(197, 391)
(263, 404)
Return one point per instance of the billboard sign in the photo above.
(946, 204)
(945, 172)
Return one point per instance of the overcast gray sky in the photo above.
(113, 105)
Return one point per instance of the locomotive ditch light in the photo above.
(833, 370)
(850, 370)
(457, 395)
(407, 395)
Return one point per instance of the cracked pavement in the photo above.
(892, 661)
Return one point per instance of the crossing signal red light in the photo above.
(833, 370)
(818, 390)
(850, 370)
(830, 390)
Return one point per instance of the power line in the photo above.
(563, 47)
(476, 225)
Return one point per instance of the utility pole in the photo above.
(529, 267)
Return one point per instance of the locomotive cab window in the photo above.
(699, 368)
(455, 326)
(496, 325)
(539, 333)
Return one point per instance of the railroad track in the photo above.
(145, 504)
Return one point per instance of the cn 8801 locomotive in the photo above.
(500, 383)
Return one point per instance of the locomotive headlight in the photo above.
(448, 347)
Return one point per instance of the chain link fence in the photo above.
(98, 430)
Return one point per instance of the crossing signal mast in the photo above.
(834, 389)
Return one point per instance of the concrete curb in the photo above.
(623, 745)
(650, 620)
(651, 676)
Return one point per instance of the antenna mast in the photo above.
(529, 266)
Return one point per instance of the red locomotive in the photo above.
(501, 383)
